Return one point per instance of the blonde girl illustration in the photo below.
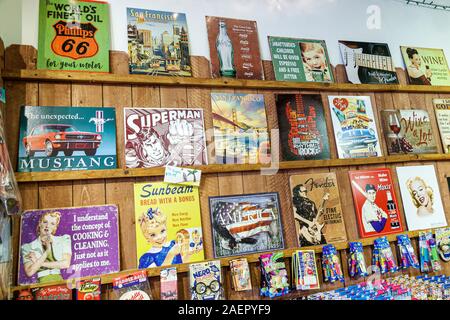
(314, 62)
(421, 195)
(48, 254)
(153, 224)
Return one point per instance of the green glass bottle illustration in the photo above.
(225, 52)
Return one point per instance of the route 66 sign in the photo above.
(74, 35)
(75, 40)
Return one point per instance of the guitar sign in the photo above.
(368, 63)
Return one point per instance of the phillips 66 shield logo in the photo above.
(74, 40)
(74, 35)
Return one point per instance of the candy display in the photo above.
(383, 258)
(408, 258)
(356, 262)
(429, 257)
(331, 265)
(304, 270)
(399, 288)
(274, 276)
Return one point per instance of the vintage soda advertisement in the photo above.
(205, 280)
(158, 43)
(408, 131)
(303, 129)
(442, 110)
(241, 134)
(74, 35)
(354, 127)
(244, 224)
(376, 205)
(317, 209)
(160, 137)
(426, 66)
(421, 197)
(67, 138)
(368, 62)
(300, 60)
(234, 48)
(64, 243)
(168, 224)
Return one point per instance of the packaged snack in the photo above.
(305, 270)
(169, 284)
(356, 262)
(274, 277)
(240, 274)
(408, 256)
(331, 265)
(89, 289)
(52, 293)
(133, 286)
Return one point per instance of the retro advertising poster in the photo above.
(158, 43)
(303, 129)
(408, 131)
(74, 35)
(354, 127)
(244, 224)
(67, 138)
(426, 66)
(168, 224)
(234, 48)
(369, 63)
(421, 197)
(160, 137)
(300, 60)
(317, 209)
(59, 244)
(442, 109)
(375, 203)
(241, 134)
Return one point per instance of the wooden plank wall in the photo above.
(120, 191)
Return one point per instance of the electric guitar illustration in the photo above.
(361, 67)
(313, 232)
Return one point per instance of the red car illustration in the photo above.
(52, 138)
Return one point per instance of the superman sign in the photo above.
(74, 35)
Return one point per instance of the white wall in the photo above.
(11, 21)
(331, 20)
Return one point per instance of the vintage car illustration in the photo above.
(357, 139)
(52, 138)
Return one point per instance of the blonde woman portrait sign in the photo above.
(48, 254)
(421, 197)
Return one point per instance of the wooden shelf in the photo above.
(108, 78)
(216, 168)
(225, 262)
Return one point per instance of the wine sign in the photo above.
(74, 35)
(234, 48)
(408, 131)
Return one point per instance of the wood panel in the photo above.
(120, 90)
